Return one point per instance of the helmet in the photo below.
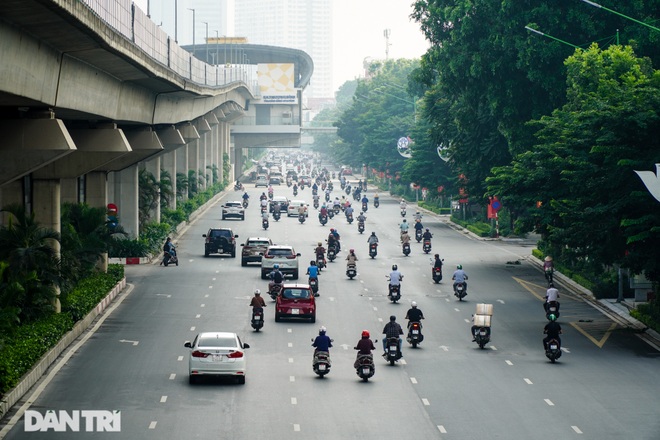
(361, 213)
(404, 220)
(332, 229)
(373, 233)
(322, 330)
(395, 267)
(413, 304)
(427, 229)
(365, 333)
(276, 266)
(459, 267)
(437, 255)
(552, 285)
(392, 318)
(320, 244)
(352, 251)
(257, 292)
(552, 317)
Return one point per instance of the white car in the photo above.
(216, 354)
(292, 210)
(233, 209)
(261, 181)
(306, 180)
(282, 255)
(282, 201)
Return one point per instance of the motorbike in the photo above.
(288, 183)
(323, 219)
(245, 203)
(301, 218)
(332, 253)
(551, 308)
(336, 209)
(321, 363)
(257, 318)
(348, 190)
(170, 257)
(295, 192)
(276, 216)
(351, 271)
(316, 203)
(314, 284)
(343, 185)
(393, 353)
(553, 350)
(364, 366)
(436, 273)
(406, 249)
(418, 235)
(264, 209)
(394, 293)
(373, 250)
(376, 203)
(315, 192)
(331, 213)
(360, 227)
(238, 187)
(549, 276)
(327, 197)
(365, 206)
(403, 213)
(320, 262)
(426, 247)
(264, 224)
(415, 336)
(274, 289)
(482, 336)
(349, 218)
(270, 195)
(460, 290)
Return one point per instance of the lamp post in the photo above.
(217, 41)
(207, 41)
(596, 5)
(224, 42)
(551, 37)
(176, 21)
(193, 11)
(414, 104)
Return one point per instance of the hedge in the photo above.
(25, 345)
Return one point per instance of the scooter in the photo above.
(351, 271)
(320, 262)
(460, 290)
(406, 249)
(360, 227)
(332, 253)
(295, 192)
(238, 187)
(394, 293)
(349, 218)
(418, 235)
(393, 353)
(264, 224)
(364, 366)
(170, 257)
(415, 336)
(276, 216)
(336, 209)
(245, 203)
(426, 247)
(314, 284)
(553, 350)
(403, 213)
(316, 203)
(376, 203)
(323, 219)
(327, 197)
(482, 336)
(549, 276)
(551, 308)
(436, 273)
(270, 196)
(274, 290)
(373, 250)
(257, 318)
(365, 206)
(301, 218)
(321, 363)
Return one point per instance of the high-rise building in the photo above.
(299, 24)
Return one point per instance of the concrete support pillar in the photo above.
(153, 166)
(126, 198)
(10, 194)
(193, 163)
(47, 202)
(69, 190)
(168, 163)
(217, 154)
(221, 149)
(182, 164)
(96, 189)
(210, 148)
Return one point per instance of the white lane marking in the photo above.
(290, 360)
(500, 301)
(565, 350)
(425, 402)
(437, 290)
(179, 358)
(292, 378)
(132, 342)
(206, 296)
(371, 299)
(198, 316)
(442, 429)
(466, 320)
(190, 261)
(509, 362)
(203, 305)
(210, 287)
(289, 330)
(192, 329)
(447, 300)
(163, 399)
(549, 402)
(163, 294)
(576, 429)
(296, 427)
(528, 382)
(212, 279)
(366, 290)
(217, 271)
(403, 361)
(413, 380)
(152, 425)
(457, 309)
(331, 298)
(290, 344)
(344, 346)
(375, 308)
(444, 348)
(294, 401)
(172, 376)
(362, 281)
(492, 347)
(380, 319)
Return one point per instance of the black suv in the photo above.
(220, 241)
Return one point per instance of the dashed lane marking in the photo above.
(163, 399)
(290, 360)
(549, 402)
(203, 305)
(172, 376)
(403, 362)
(509, 362)
(442, 429)
(290, 344)
(413, 380)
(192, 329)
(296, 427)
(289, 330)
(294, 401)
(152, 425)
(198, 316)
(528, 382)
(292, 378)
(576, 429)
(426, 402)
(179, 358)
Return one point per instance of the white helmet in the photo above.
(413, 304)
(257, 292)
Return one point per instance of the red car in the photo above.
(295, 301)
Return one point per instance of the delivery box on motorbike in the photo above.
(482, 320)
(484, 309)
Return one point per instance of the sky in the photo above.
(358, 33)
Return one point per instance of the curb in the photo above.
(38, 370)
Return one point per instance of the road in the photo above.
(603, 387)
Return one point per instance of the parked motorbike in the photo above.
(418, 235)
(364, 366)
(301, 218)
(393, 353)
(360, 227)
(170, 257)
(415, 336)
(376, 203)
(373, 250)
(351, 271)
(553, 350)
(257, 320)
(274, 289)
(406, 249)
(436, 273)
(460, 290)
(264, 224)
(426, 247)
(349, 218)
(314, 284)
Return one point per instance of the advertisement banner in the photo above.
(276, 83)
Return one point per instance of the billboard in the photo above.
(276, 83)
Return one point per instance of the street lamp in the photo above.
(620, 14)
(207, 41)
(217, 41)
(551, 37)
(193, 11)
(176, 21)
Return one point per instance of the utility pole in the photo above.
(193, 11)
(386, 34)
(207, 41)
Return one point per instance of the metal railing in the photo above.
(131, 22)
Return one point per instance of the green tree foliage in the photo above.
(594, 210)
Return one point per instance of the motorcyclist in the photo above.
(402, 205)
(418, 226)
(376, 198)
(276, 208)
(332, 241)
(551, 295)
(437, 262)
(270, 191)
(395, 277)
(364, 346)
(313, 270)
(245, 196)
(295, 188)
(336, 203)
(322, 342)
(263, 196)
(459, 276)
(238, 184)
(404, 226)
(324, 211)
(405, 238)
(257, 302)
(365, 200)
(264, 204)
(349, 210)
(320, 252)
(372, 239)
(361, 218)
(337, 237)
(414, 314)
(168, 250)
(276, 276)
(553, 330)
(391, 330)
(264, 215)
(427, 235)
(351, 258)
(301, 210)
(315, 188)
(548, 268)
(418, 216)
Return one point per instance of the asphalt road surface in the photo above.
(604, 386)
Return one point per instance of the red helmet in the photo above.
(365, 333)
(332, 229)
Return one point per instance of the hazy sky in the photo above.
(358, 33)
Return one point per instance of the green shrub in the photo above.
(644, 313)
(89, 292)
(128, 248)
(173, 217)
